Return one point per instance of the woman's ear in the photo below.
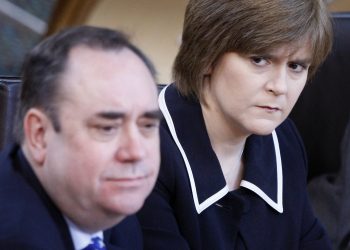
(36, 125)
(208, 71)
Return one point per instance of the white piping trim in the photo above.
(279, 205)
(212, 199)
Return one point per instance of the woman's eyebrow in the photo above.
(305, 61)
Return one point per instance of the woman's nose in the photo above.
(277, 83)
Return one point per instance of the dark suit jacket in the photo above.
(30, 220)
(191, 207)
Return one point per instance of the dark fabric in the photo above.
(330, 197)
(323, 108)
(321, 115)
(343, 236)
(30, 220)
(9, 90)
(240, 219)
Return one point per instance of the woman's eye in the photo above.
(259, 60)
(296, 67)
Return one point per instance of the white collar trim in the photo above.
(200, 207)
(279, 205)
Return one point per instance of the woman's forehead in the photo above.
(301, 48)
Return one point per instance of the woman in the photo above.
(233, 171)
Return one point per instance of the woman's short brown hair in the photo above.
(214, 27)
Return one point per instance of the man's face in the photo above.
(105, 159)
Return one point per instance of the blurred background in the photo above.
(153, 25)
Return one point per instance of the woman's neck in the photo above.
(227, 142)
(225, 137)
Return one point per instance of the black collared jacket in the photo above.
(192, 208)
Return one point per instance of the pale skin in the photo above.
(250, 94)
(104, 162)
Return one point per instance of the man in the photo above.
(88, 151)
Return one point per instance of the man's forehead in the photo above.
(108, 74)
(84, 48)
(94, 57)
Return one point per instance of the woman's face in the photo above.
(253, 94)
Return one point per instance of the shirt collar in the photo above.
(80, 238)
(263, 167)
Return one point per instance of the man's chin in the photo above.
(126, 207)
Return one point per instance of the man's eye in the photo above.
(103, 132)
(106, 129)
(259, 60)
(149, 127)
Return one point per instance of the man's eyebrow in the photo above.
(154, 114)
(113, 115)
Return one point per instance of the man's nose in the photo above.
(278, 82)
(131, 147)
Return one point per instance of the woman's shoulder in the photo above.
(288, 135)
(287, 127)
(292, 151)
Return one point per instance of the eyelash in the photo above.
(303, 66)
(106, 132)
(255, 60)
(105, 128)
(150, 126)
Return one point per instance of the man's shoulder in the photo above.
(13, 187)
(5, 158)
(21, 211)
(26, 222)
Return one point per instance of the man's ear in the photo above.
(36, 125)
